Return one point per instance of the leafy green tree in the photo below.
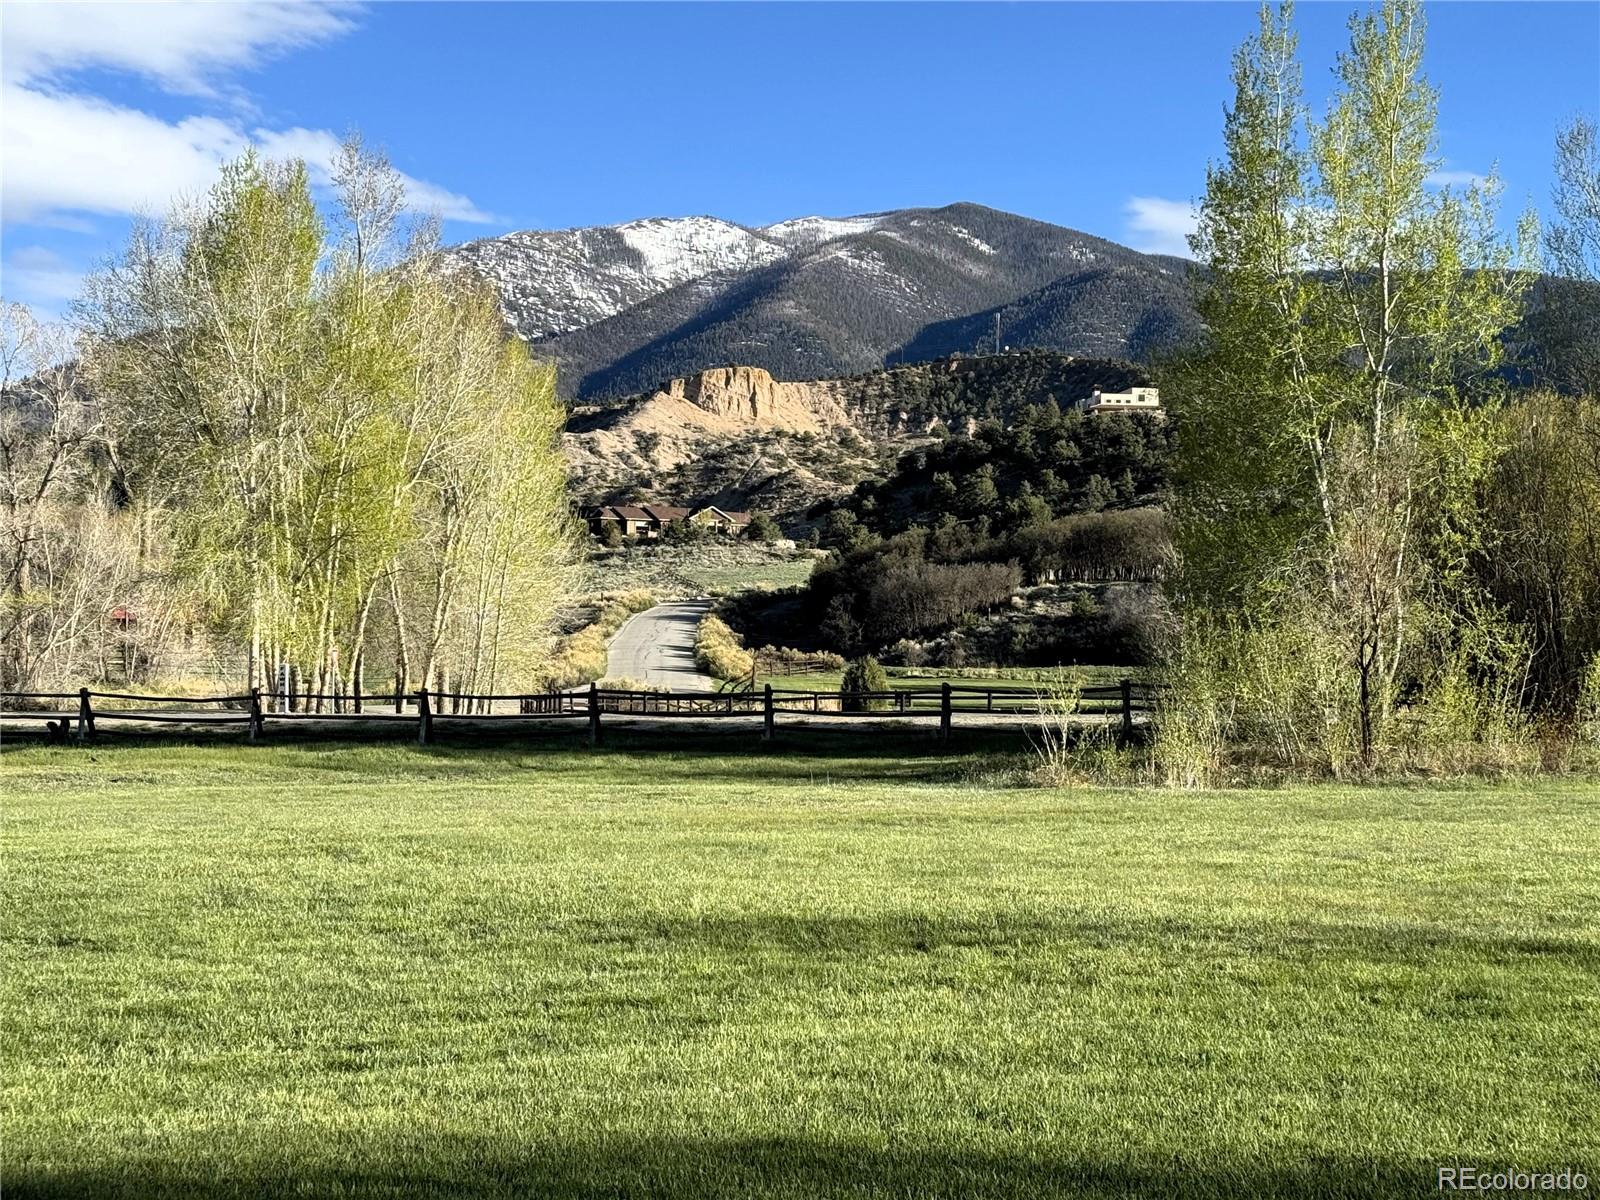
(1098, 494)
(1244, 498)
(763, 529)
(202, 349)
(682, 533)
(839, 627)
(1541, 557)
(1327, 440)
(1029, 510)
(340, 441)
(979, 495)
(842, 530)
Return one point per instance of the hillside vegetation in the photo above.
(739, 438)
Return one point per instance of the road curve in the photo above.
(657, 647)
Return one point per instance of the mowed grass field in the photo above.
(824, 970)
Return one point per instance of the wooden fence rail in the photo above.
(944, 702)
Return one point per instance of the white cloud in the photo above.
(66, 152)
(1157, 226)
(73, 153)
(181, 46)
(39, 275)
(1455, 179)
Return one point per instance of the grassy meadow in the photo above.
(832, 968)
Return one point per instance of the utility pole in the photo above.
(997, 333)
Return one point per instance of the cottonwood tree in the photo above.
(336, 435)
(48, 607)
(1251, 415)
(1541, 558)
(1330, 437)
(1567, 325)
(200, 344)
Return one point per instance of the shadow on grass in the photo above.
(665, 753)
(744, 1168)
(1301, 942)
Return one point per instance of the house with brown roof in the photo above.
(720, 519)
(645, 522)
(630, 520)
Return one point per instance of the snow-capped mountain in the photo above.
(552, 282)
(620, 308)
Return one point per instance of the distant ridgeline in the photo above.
(620, 308)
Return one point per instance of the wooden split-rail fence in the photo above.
(429, 709)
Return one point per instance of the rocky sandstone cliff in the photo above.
(729, 434)
(751, 398)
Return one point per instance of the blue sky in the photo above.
(511, 116)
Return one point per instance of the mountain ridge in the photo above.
(622, 308)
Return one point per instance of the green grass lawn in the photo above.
(829, 970)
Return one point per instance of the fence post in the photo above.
(399, 696)
(85, 716)
(257, 721)
(944, 711)
(594, 714)
(766, 715)
(1127, 710)
(988, 700)
(424, 719)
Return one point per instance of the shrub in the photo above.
(951, 652)
(1589, 704)
(1272, 700)
(907, 653)
(682, 532)
(763, 528)
(863, 675)
(581, 657)
(719, 653)
(624, 683)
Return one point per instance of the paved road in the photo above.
(657, 646)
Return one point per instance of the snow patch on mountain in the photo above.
(967, 236)
(811, 230)
(684, 248)
(550, 282)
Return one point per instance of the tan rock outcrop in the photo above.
(733, 400)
